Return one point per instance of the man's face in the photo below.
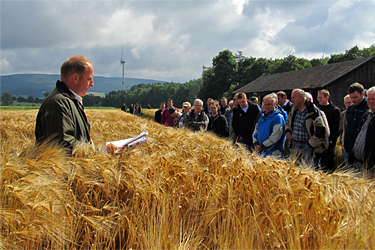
(162, 106)
(84, 82)
(371, 102)
(197, 108)
(224, 102)
(347, 102)
(323, 100)
(297, 99)
(242, 102)
(213, 109)
(357, 97)
(281, 100)
(186, 109)
(209, 100)
(170, 103)
(268, 105)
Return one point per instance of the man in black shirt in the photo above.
(333, 115)
(283, 101)
(217, 122)
(158, 112)
(244, 118)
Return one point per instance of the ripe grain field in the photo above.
(181, 190)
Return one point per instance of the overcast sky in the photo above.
(170, 40)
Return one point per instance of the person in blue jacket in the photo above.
(268, 136)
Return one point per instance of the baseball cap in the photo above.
(186, 104)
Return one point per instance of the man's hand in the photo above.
(257, 148)
(112, 149)
(289, 136)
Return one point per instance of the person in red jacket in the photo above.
(166, 118)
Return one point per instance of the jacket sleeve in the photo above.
(225, 132)
(277, 133)
(232, 135)
(235, 123)
(335, 127)
(162, 117)
(288, 124)
(320, 139)
(197, 125)
(255, 135)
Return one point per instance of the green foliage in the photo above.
(6, 99)
(353, 54)
(91, 100)
(153, 94)
(221, 77)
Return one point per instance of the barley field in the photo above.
(180, 190)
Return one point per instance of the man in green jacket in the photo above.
(61, 117)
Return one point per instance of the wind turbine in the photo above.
(122, 62)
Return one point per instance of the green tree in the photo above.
(30, 99)
(352, 54)
(21, 99)
(367, 52)
(91, 100)
(221, 77)
(243, 70)
(6, 99)
(318, 62)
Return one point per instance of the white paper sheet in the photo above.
(131, 141)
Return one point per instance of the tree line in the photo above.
(228, 72)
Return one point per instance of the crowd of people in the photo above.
(278, 128)
(282, 128)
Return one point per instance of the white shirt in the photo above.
(245, 109)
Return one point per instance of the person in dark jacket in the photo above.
(243, 120)
(217, 122)
(131, 109)
(333, 115)
(61, 117)
(354, 114)
(207, 108)
(283, 101)
(123, 107)
(224, 106)
(363, 150)
(196, 119)
(159, 112)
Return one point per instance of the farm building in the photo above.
(335, 77)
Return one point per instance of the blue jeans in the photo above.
(303, 152)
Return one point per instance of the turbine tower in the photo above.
(122, 62)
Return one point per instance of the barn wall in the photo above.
(364, 74)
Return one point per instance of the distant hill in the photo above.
(37, 84)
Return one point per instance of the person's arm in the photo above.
(276, 134)
(335, 127)
(162, 117)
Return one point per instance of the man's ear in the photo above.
(75, 77)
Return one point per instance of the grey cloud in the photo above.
(334, 30)
(170, 40)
